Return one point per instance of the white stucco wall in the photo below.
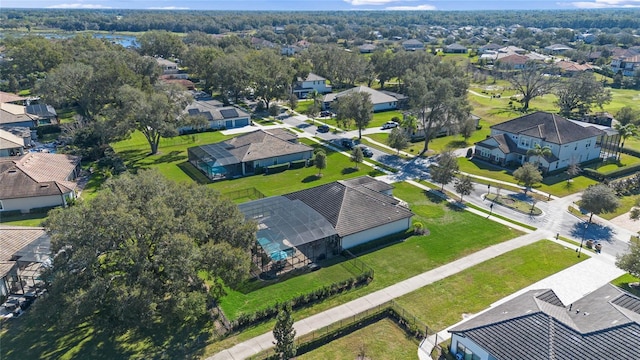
(318, 85)
(283, 159)
(362, 237)
(25, 204)
(385, 106)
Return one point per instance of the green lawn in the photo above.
(443, 303)
(303, 105)
(623, 283)
(257, 294)
(23, 220)
(440, 144)
(556, 184)
(378, 119)
(625, 160)
(338, 167)
(626, 203)
(380, 340)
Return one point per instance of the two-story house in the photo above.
(627, 66)
(312, 82)
(569, 142)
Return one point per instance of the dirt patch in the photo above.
(624, 221)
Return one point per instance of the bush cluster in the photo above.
(298, 164)
(274, 169)
(628, 186)
(246, 320)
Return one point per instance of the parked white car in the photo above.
(389, 125)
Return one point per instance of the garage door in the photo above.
(242, 122)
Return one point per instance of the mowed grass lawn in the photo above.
(380, 340)
(172, 162)
(440, 144)
(443, 303)
(556, 185)
(338, 167)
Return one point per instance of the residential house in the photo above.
(290, 50)
(413, 45)
(217, 116)
(261, 43)
(557, 49)
(37, 180)
(489, 48)
(318, 223)
(513, 61)
(455, 48)
(569, 142)
(248, 153)
(305, 86)
(16, 115)
(23, 252)
(6, 97)
(512, 50)
(10, 144)
(568, 67)
(46, 114)
(381, 101)
(604, 324)
(587, 38)
(26, 135)
(367, 48)
(170, 69)
(627, 66)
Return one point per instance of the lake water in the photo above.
(124, 40)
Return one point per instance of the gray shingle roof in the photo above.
(352, 206)
(212, 110)
(549, 127)
(377, 97)
(536, 325)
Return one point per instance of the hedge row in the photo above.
(298, 164)
(11, 213)
(611, 174)
(630, 152)
(246, 320)
(48, 129)
(274, 169)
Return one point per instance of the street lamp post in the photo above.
(586, 226)
(489, 188)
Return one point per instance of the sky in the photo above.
(327, 5)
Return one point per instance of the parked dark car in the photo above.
(323, 128)
(348, 143)
(366, 151)
(326, 113)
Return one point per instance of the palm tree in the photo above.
(539, 151)
(625, 131)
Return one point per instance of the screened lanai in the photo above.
(290, 233)
(215, 161)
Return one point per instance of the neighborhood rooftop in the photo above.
(604, 324)
(36, 174)
(550, 127)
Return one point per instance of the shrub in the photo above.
(11, 213)
(298, 164)
(274, 169)
(42, 210)
(48, 129)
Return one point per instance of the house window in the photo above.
(466, 353)
(1, 207)
(588, 143)
(525, 142)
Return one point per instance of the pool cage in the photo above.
(290, 234)
(215, 161)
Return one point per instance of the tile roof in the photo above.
(604, 324)
(377, 97)
(36, 174)
(352, 206)
(6, 97)
(9, 140)
(514, 59)
(549, 127)
(22, 243)
(12, 113)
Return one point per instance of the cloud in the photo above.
(606, 4)
(416, 7)
(78, 6)
(169, 8)
(369, 2)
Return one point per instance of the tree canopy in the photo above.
(356, 106)
(528, 174)
(630, 261)
(445, 169)
(580, 93)
(599, 199)
(531, 82)
(135, 254)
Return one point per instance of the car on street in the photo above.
(348, 143)
(366, 151)
(389, 125)
(323, 128)
(326, 113)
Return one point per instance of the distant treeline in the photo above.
(216, 22)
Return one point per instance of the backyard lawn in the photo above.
(339, 167)
(443, 303)
(380, 340)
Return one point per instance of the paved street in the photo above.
(570, 284)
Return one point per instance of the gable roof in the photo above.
(12, 113)
(9, 140)
(513, 59)
(411, 42)
(456, 46)
(312, 77)
(604, 324)
(548, 127)
(558, 47)
(37, 174)
(352, 205)
(377, 97)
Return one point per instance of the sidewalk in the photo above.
(341, 312)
